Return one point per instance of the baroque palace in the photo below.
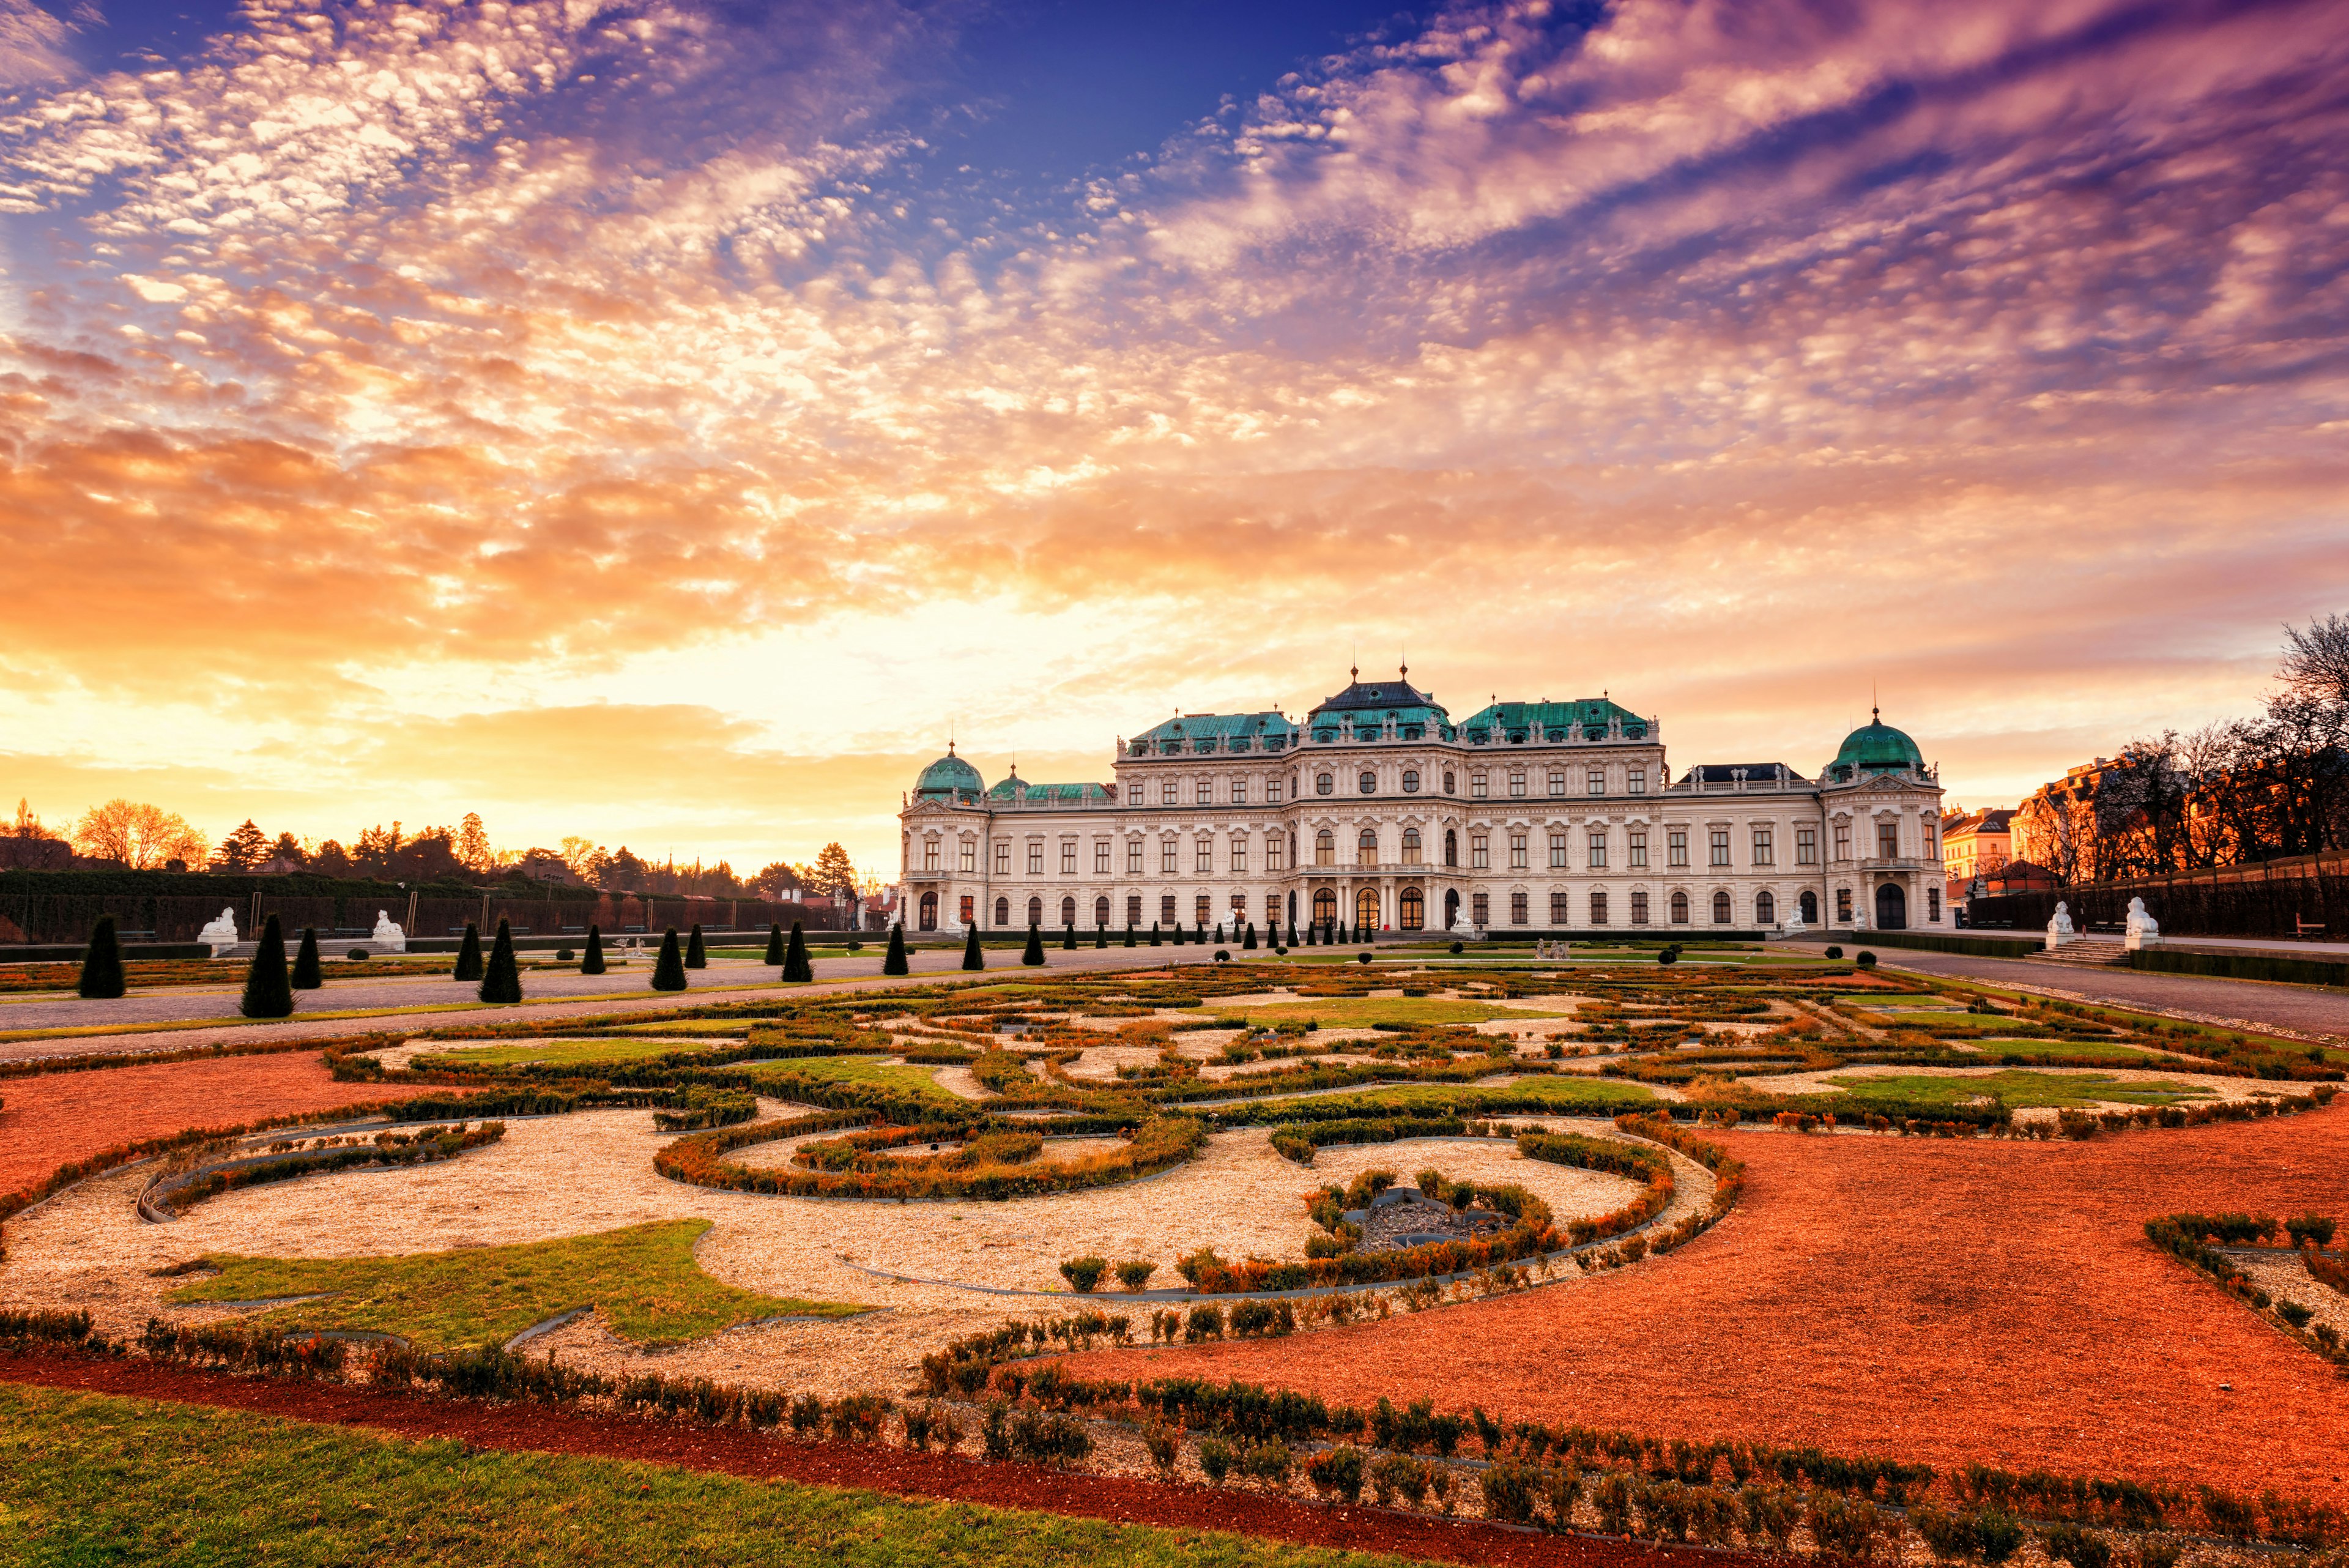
(1379, 811)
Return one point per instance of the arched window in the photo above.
(1411, 846)
(1067, 911)
(1721, 907)
(1765, 910)
(1679, 908)
(1451, 845)
(1366, 908)
(1366, 849)
(1368, 783)
(1325, 907)
(1325, 848)
(1133, 908)
(1448, 785)
(1810, 908)
(1101, 911)
(1003, 911)
(1324, 782)
(1415, 909)
(1035, 911)
(1411, 781)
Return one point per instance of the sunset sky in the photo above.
(660, 422)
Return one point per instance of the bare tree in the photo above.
(142, 836)
(2316, 662)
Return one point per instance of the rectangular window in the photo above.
(1272, 791)
(969, 857)
(1517, 908)
(1480, 909)
(1639, 908)
(1762, 847)
(1720, 844)
(1598, 908)
(1133, 858)
(1036, 858)
(1598, 781)
(1069, 857)
(1003, 857)
(1517, 785)
(1239, 855)
(1843, 840)
(1168, 792)
(1927, 829)
(1676, 846)
(1517, 852)
(1599, 849)
(1166, 853)
(1888, 840)
(1557, 915)
(1933, 904)
(1638, 851)
(1166, 907)
(1239, 792)
(1480, 853)
(1558, 781)
(1843, 904)
(1807, 846)
(1273, 847)
(1207, 791)
(1558, 851)
(1206, 854)
(1638, 781)
(930, 854)
(1100, 857)
(1476, 786)
(967, 903)
(1202, 908)
(1133, 908)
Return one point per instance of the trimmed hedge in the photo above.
(2240, 966)
(855, 1172)
(1980, 947)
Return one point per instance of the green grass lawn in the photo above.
(1362, 1011)
(2095, 1050)
(643, 1278)
(2021, 1088)
(90, 1478)
(1548, 1087)
(734, 1026)
(906, 1079)
(561, 1053)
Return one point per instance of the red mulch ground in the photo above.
(733, 1451)
(1922, 1298)
(48, 1120)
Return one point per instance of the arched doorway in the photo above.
(1325, 906)
(1366, 908)
(1810, 905)
(1451, 901)
(1035, 911)
(1892, 907)
(1415, 909)
(929, 911)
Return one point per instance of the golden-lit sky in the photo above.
(661, 423)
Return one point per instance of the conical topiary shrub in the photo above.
(1129, 933)
(1309, 928)
(1174, 933)
(592, 961)
(1219, 933)
(775, 943)
(972, 958)
(502, 980)
(695, 957)
(668, 970)
(1202, 937)
(1154, 933)
(795, 958)
(1248, 942)
(1068, 937)
(1034, 953)
(305, 962)
(101, 963)
(1101, 937)
(895, 964)
(469, 955)
(266, 992)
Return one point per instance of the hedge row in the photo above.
(2186, 1237)
(172, 1195)
(2240, 966)
(1156, 1145)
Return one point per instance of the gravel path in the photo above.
(2305, 1008)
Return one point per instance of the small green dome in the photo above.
(948, 778)
(1875, 747)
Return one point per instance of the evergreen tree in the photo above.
(469, 955)
(1203, 932)
(501, 981)
(1033, 954)
(972, 958)
(775, 944)
(695, 956)
(895, 962)
(1101, 937)
(592, 962)
(795, 955)
(1068, 937)
(1129, 933)
(1154, 933)
(101, 964)
(305, 962)
(1174, 933)
(668, 970)
(1219, 933)
(1310, 926)
(1248, 943)
(266, 994)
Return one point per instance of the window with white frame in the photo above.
(929, 855)
(1517, 851)
(1676, 846)
(1595, 781)
(1170, 793)
(1367, 782)
(1557, 909)
(1477, 788)
(1207, 791)
(1366, 847)
(1517, 908)
(1166, 907)
(1719, 838)
(1480, 852)
(1003, 857)
(1932, 904)
(1273, 858)
(1843, 904)
(1640, 907)
(1133, 859)
(1480, 908)
(1765, 847)
(1517, 785)
(1888, 840)
(1411, 847)
(1272, 791)
(1069, 857)
(1599, 849)
(1239, 855)
(1168, 853)
(1558, 781)
(1598, 909)
(1807, 846)
(1035, 857)
(1638, 781)
(969, 856)
(1556, 850)
(1411, 781)
(1325, 848)
(1100, 857)
(1205, 850)
(1324, 783)
(1637, 852)
(1239, 790)
(1843, 841)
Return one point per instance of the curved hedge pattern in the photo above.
(1156, 1145)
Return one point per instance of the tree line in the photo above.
(2260, 787)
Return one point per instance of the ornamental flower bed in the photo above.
(994, 1174)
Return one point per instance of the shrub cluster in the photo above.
(389, 1147)
(853, 1168)
(2191, 1239)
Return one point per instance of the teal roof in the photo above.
(1584, 718)
(948, 778)
(1268, 731)
(1875, 747)
(1414, 713)
(1016, 788)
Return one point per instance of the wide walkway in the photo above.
(2306, 1009)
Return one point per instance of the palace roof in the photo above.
(1268, 730)
(1377, 704)
(1584, 718)
(948, 778)
(1875, 747)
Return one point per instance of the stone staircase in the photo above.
(2102, 953)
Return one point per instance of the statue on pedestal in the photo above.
(2143, 930)
(2059, 929)
(387, 937)
(220, 933)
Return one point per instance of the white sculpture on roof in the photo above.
(220, 933)
(2143, 930)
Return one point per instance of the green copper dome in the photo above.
(948, 778)
(1875, 747)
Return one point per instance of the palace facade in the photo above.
(1378, 810)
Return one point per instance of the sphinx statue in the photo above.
(220, 932)
(2142, 930)
(387, 937)
(2060, 929)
